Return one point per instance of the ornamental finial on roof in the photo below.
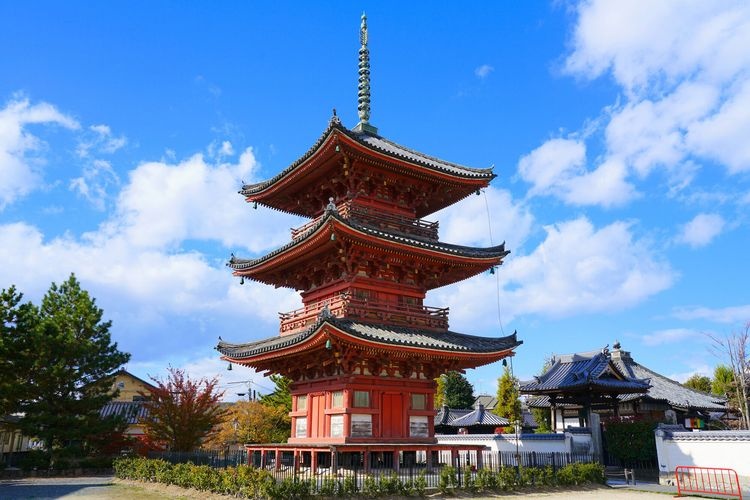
(363, 87)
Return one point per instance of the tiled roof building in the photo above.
(612, 383)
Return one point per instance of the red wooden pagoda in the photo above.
(363, 352)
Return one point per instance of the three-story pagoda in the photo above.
(364, 350)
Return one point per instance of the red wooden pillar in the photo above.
(313, 462)
(366, 460)
(277, 462)
(429, 460)
(480, 463)
(396, 461)
(297, 460)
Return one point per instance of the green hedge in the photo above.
(249, 482)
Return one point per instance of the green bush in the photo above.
(486, 480)
(35, 459)
(631, 441)
(420, 483)
(448, 478)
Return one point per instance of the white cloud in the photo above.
(468, 222)
(101, 141)
(552, 164)
(669, 336)
(164, 204)
(576, 269)
(682, 377)
(557, 168)
(701, 230)
(97, 177)
(20, 168)
(483, 71)
(732, 314)
(684, 69)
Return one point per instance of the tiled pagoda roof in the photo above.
(381, 145)
(472, 252)
(582, 372)
(662, 389)
(665, 389)
(449, 342)
(446, 416)
(479, 416)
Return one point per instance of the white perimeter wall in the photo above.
(723, 449)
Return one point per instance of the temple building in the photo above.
(613, 384)
(364, 350)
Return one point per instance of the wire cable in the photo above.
(497, 275)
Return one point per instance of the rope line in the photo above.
(497, 274)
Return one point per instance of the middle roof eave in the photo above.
(448, 342)
(334, 218)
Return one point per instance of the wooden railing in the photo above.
(380, 219)
(343, 305)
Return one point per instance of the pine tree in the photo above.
(508, 405)
(457, 391)
(181, 412)
(17, 320)
(699, 383)
(72, 357)
(279, 404)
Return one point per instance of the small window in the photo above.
(418, 401)
(337, 399)
(418, 427)
(361, 399)
(301, 403)
(361, 426)
(337, 425)
(121, 385)
(300, 428)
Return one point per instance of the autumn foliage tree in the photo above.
(252, 422)
(182, 412)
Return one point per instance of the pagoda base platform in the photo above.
(359, 456)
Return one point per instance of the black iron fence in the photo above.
(350, 473)
(213, 458)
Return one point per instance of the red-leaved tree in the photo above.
(181, 412)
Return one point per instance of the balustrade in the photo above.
(343, 305)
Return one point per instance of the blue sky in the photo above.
(620, 133)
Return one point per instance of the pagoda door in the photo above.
(392, 412)
(317, 414)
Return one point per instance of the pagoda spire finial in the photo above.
(363, 87)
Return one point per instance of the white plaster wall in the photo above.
(503, 442)
(723, 449)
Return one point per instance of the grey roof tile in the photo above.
(380, 144)
(496, 251)
(131, 411)
(393, 335)
(580, 371)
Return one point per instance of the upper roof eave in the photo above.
(377, 144)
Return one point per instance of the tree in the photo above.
(543, 416)
(279, 404)
(508, 404)
(723, 382)
(735, 348)
(455, 391)
(281, 397)
(182, 412)
(72, 357)
(17, 321)
(699, 383)
(252, 422)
